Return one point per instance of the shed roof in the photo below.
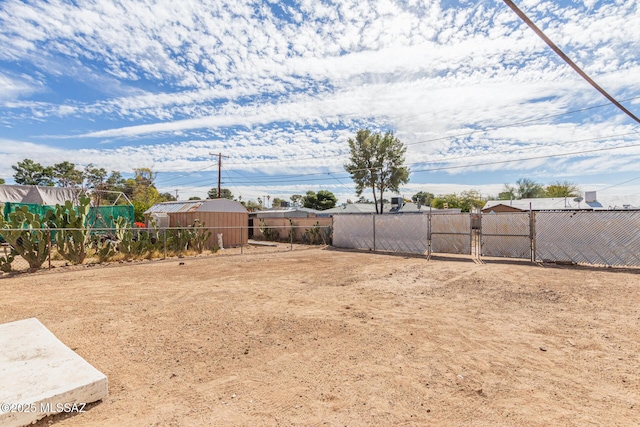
(298, 212)
(352, 208)
(209, 205)
(540, 204)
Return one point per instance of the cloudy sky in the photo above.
(278, 87)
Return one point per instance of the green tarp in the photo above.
(99, 216)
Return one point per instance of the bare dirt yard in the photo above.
(330, 338)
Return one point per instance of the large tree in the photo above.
(297, 199)
(377, 162)
(562, 189)
(279, 203)
(465, 201)
(65, 174)
(225, 193)
(321, 200)
(525, 188)
(29, 172)
(423, 198)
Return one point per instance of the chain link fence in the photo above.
(601, 238)
(23, 250)
(608, 238)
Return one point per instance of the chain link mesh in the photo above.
(597, 238)
(506, 235)
(451, 233)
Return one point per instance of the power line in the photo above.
(566, 59)
(278, 179)
(620, 183)
(254, 162)
(528, 158)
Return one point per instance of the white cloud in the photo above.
(16, 87)
(269, 81)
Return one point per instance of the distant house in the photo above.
(221, 216)
(352, 208)
(589, 202)
(397, 206)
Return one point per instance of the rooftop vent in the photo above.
(590, 196)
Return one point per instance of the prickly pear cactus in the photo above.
(7, 259)
(72, 234)
(23, 231)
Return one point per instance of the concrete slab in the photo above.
(40, 376)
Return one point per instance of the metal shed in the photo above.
(220, 216)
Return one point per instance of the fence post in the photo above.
(164, 242)
(291, 236)
(374, 232)
(242, 240)
(429, 231)
(532, 234)
(49, 255)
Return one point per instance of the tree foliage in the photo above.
(377, 162)
(225, 193)
(28, 172)
(321, 200)
(423, 198)
(65, 174)
(278, 203)
(525, 188)
(562, 189)
(465, 201)
(297, 200)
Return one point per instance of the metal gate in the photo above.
(451, 233)
(506, 235)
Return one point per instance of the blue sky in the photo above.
(278, 87)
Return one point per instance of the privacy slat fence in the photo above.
(451, 234)
(604, 238)
(610, 238)
(506, 235)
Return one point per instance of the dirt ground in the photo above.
(331, 338)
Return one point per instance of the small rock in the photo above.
(543, 348)
(181, 263)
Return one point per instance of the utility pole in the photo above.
(220, 156)
(176, 194)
